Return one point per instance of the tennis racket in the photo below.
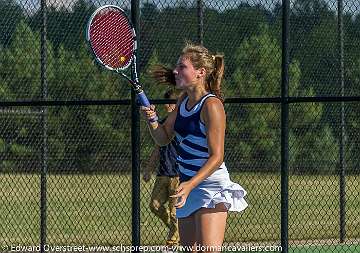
(112, 39)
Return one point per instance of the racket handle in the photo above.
(145, 102)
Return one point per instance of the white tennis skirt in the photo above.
(217, 188)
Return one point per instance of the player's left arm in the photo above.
(214, 118)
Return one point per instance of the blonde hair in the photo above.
(200, 57)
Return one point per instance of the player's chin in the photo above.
(180, 84)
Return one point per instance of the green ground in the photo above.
(326, 249)
(96, 210)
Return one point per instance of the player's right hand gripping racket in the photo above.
(112, 39)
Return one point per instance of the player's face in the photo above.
(185, 73)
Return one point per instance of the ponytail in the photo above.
(216, 77)
(163, 75)
(200, 57)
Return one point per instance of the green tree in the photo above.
(10, 15)
(20, 79)
(259, 75)
(148, 32)
(84, 136)
(21, 64)
(313, 145)
(353, 119)
(224, 31)
(65, 26)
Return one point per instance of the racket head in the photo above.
(111, 37)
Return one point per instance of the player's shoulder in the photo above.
(213, 102)
(213, 109)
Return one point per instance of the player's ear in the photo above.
(201, 72)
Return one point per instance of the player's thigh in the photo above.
(211, 224)
(187, 231)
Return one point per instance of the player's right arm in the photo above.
(161, 133)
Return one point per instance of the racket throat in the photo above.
(136, 86)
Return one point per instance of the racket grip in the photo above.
(145, 102)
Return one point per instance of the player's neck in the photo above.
(195, 95)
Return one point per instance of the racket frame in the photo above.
(134, 80)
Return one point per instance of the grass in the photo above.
(326, 249)
(96, 210)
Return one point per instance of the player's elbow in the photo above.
(218, 159)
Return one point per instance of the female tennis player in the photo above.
(206, 193)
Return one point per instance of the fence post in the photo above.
(135, 141)
(200, 16)
(342, 136)
(285, 126)
(44, 114)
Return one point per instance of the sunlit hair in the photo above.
(200, 57)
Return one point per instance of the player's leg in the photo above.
(187, 230)
(211, 224)
(173, 236)
(159, 197)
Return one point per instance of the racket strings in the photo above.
(111, 38)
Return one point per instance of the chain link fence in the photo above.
(89, 156)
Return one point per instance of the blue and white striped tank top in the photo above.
(190, 134)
